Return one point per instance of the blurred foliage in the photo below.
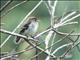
(15, 16)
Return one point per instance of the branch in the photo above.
(27, 40)
(53, 41)
(47, 7)
(4, 6)
(51, 32)
(77, 34)
(16, 53)
(68, 20)
(69, 23)
(70, 14)
(12, 8)
(6, 57)
(42, 33)
(47, 39)
(72, 46)
(53, 11)
(61, 33)
(73, 41)
(51, 46)
(15, 34)
(56, 50)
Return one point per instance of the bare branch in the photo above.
(61, 48)
(61, 33)
(6, 4)
(51, 46)
(43, 32)
(15, 34)
(72, 46)
(12, 8)
(78, 15)
(73, 34)
(16, 53)
(53, 41)
(47, 40)
(27, 40)
(70, 23)
(53, 11)
(47, 7)
(68, 16)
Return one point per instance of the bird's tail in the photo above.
(17, 39)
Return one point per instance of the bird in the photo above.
(29, 28)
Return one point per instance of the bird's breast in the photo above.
(32, 28)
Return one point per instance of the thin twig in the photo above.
(47, 7)
(48, 57)
(6, 4)
(68, 20)
(37, 47)
(12, 8)
(78, 15)
(38, 35)
(6, 57)
(53, 11)
(21, 22)
(27, 40)
(74, 42)
(70, 14)
(73, 45)
(52, 41)
(52, 45)
(56, 50)
(70, 23)
(69, 37)
(15, 34)
(18, 53)
(77, 45)
(61, 33)
(77, 39)
(48, 38)
(51, 32)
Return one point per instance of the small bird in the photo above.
(29, 28)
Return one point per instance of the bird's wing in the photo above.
(24, 27)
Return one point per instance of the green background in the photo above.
(15, 16)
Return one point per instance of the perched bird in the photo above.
(29, 28)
